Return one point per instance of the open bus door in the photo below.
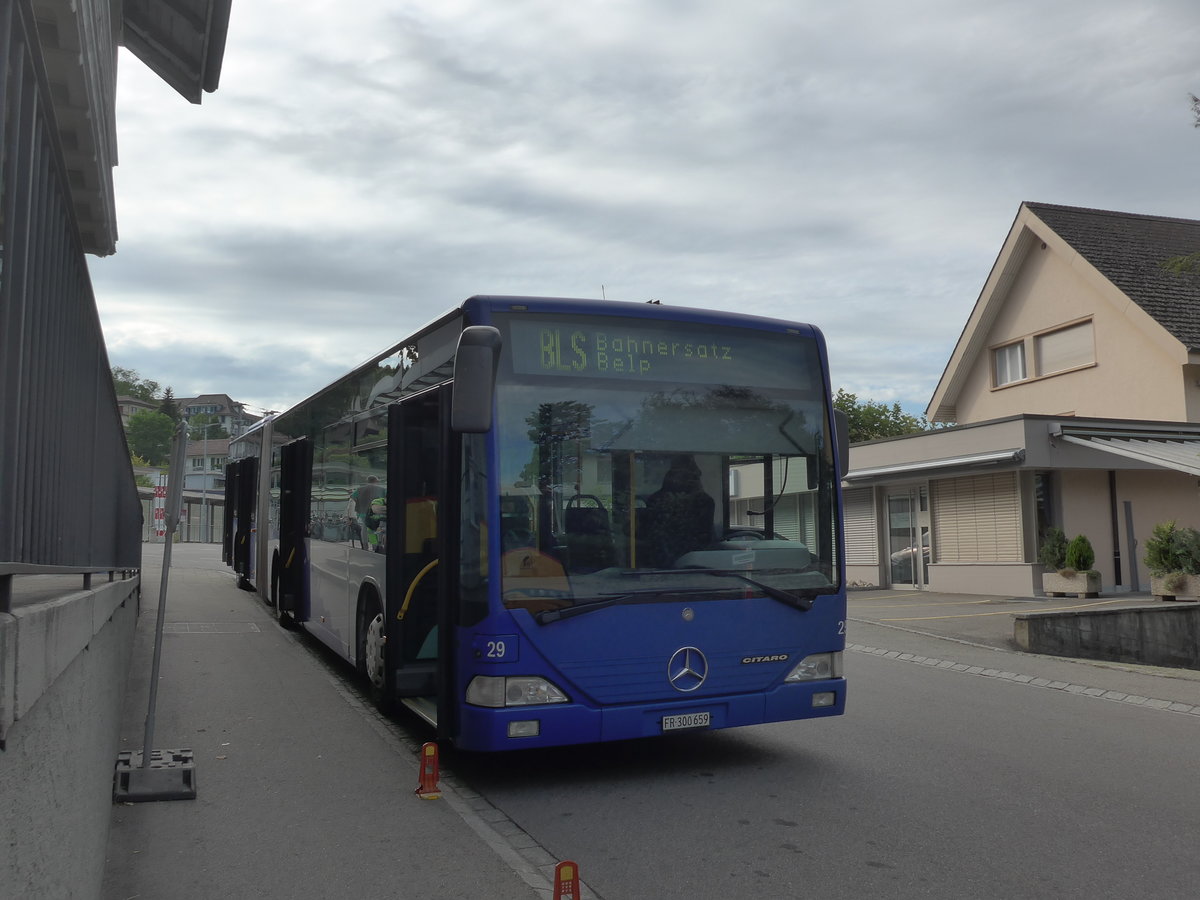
(227, 514)
(420, 614)
(243, 540)
(289, 588)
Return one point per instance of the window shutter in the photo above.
(1065, 349)
(862, 535)
(977, 518)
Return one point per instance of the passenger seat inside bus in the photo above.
(588, 533)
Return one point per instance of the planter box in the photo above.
(1081, 584)
(1190, 589)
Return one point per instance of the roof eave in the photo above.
(182, 42)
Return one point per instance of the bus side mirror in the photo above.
(841, 424)
(475, 379)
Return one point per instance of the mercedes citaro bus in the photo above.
(530, 522)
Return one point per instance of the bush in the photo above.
(1053, 553)
(1080, 555)
(1170, 550)
(1187, 543)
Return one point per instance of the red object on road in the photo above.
(566, 881)
(428, 788)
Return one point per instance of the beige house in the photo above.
(1074, 399)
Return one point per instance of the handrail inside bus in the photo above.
(408, 595)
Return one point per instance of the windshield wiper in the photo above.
(803, 602)
(553, 615)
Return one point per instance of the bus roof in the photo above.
(481, 306)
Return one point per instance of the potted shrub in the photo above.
(1071, 564)
(1173, 558)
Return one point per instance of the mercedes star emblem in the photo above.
(687, 669)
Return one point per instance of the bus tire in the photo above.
(370, 651)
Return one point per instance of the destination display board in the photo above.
(681, 353)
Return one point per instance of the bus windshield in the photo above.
(644, 461)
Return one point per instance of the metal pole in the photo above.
(174, 499)
(204, 529)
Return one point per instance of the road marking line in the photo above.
(931, 603)
(1003, 612)
(1032, 681)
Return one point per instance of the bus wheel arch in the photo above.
(370, 641)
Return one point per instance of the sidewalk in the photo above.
(302, 791)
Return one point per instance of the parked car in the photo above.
(902, 561)
(750, 533)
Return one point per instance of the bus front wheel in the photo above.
(371, 655)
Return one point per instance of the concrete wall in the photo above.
(1147, 635)
(864, 575)
(63, 670)
(993, 578)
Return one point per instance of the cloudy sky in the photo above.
(365, 166)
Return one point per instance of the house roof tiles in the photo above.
(1130, 250)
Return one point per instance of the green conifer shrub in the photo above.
(1080, 555)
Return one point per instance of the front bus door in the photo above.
(419, 617)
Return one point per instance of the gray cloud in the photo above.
(855, 165)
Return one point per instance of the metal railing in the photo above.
(68, 501)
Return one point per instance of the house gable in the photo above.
(1074, 342)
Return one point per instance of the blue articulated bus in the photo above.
(542, 521)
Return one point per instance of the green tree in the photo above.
(169, 407)
(196, 432)
(871, 420)
(129, 383)
(142, 480)
(150, 436)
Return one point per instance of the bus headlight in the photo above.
(498, 691)
(817, 667)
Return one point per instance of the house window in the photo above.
(1044, 492)
(197, 462)
(1066, 348)
(1009, 363)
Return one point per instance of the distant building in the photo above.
(228, 412)
(130, 405)
(204, 465)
